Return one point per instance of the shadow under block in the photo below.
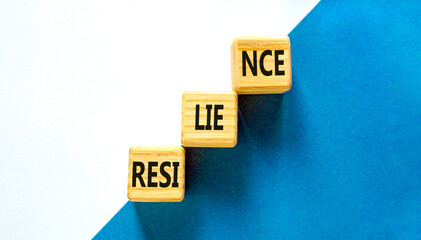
(156, 174)
(209, 119)
(261, 65)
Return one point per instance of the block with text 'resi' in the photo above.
(209, 119)
(156, 174)
(261, 65)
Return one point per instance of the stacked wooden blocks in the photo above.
(259, 65)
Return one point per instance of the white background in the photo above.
(82, 81)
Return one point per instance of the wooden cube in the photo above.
(209, 119)
(261, 65)
(156, 174)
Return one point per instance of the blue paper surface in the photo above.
(337, 157)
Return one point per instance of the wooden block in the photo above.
(156, 174)
(209, 119)
(261, 65)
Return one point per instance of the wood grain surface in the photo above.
(146, 155)
(211, 137)
(258, 83)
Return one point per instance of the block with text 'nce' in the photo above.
(156, 174)
(209, 119)
(261, 65)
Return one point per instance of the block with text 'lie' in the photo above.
(156, 174)
(261, 65)
(209, 119)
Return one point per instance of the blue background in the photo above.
(336, 157)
